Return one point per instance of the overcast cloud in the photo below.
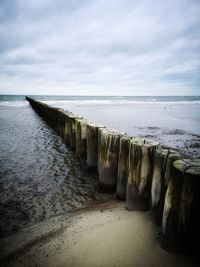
(100, 47)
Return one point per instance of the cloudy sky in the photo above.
(115, 47)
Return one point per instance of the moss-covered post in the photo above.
(123, 165)
(67, 129)
(141, 164)
(135, 155)
(51, 116)
(162, 167)
(158, 180)
(162, 163)
(92, 145)
(108, 158)
(60, 122)
(81, 148)
(70, 130)
(181, 216)
(173, 155)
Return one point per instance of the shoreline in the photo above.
(16, 243)
(172, 125)
(103, 234)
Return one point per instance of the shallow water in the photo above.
(39, 176)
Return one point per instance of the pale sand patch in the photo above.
(110, 236)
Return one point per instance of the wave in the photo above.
(115, 102)
(13, 103)
(61, 101)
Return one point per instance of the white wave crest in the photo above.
(19, 103)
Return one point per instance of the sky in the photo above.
(100, 47)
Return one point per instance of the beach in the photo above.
(104, 234)
(52, 211)
(175, 124)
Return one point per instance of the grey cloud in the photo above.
(8, 10)
(104, 45)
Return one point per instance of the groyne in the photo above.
(138, 171)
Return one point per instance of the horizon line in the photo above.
(97, 95)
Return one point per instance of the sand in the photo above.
(102, 235)
(175, 125)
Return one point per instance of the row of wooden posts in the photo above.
(139, 171)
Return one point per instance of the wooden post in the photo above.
(173, 155)
(81, 148)
(123, 165)
(70, 130)
(92, 145)
(108, 158)
(60, 122)
(51, 117)
(181, 216)
(141, 161)
(163, 160)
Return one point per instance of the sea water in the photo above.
(39, 176)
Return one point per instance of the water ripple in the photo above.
(39, 176)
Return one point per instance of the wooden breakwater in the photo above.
(138, 171)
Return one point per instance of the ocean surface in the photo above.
(41, 178)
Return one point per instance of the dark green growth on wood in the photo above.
(181, 216)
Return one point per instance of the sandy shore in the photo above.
(103, 235)
(174, 125)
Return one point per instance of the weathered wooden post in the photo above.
(173, 155)
(67, 129)
(92, 145)
(163, 160)
(81, 148)
(51, 117)
(158, 180)
(70, 130)
(141, 164)
(60, 122)
(108, 158)
(181, 216)
(123, 165)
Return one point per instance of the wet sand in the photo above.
(105, 234)
(174, 125)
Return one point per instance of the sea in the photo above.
(41, 178)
